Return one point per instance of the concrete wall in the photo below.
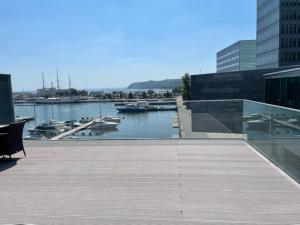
(7, 114)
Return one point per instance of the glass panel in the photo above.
(285, 137)
(211, 119)
(256, 124)
(275, 132)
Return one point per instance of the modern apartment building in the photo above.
(238, 56)
(278, 33)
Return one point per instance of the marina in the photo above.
(152, 124)
(70, 132)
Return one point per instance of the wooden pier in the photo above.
(67, 133)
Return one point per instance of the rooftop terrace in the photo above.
(146, 182)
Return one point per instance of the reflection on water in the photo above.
(90, 133)
(143, 125)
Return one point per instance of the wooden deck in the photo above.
(184, 182)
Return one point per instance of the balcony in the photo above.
(225, 169)
(146, 182)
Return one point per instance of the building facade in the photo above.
(248, 84)
(7, 114)
(282, 88)
(278, 33)
(238, 56)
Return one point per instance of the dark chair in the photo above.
(11, 141)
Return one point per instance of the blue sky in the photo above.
(111, 43)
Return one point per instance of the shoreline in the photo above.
(170, 101)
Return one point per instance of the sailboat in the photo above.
(58, 100)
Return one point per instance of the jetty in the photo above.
(67, 133)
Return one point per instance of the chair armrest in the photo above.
(3, 138)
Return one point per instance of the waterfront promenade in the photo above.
(138, 182)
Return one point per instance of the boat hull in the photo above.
(104, 127)
(126, 110)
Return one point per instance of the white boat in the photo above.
(72, 137)
(292, 120)
(138, 107)
(35, 136)
(111, 119)
(85, 120)
(254, 116)
(50, 128)
(56, 100)
(72, 123)
(259, 124)
(24, 118)
(102, 124)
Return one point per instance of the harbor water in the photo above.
(137, 125)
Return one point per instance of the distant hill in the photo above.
(151, 84)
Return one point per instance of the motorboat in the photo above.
(50, 128)
(102, 124)
(35, 136)
(24, 118)
(85, 120)
(292, 121)
(139, 107)
(110, 119)
(254, 116)
(72, 137)
(72, 123)
(259, 124)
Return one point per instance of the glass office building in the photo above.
(278, 33)
(282, 88)
(238, 56)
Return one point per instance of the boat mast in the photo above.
(57, 83)
(34, 110)
(69, 86)
(52, 89)
(44, 92)
(100, 109)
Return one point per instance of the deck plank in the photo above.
(145, 182)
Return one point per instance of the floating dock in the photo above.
(67, 133)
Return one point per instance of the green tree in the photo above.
(130, 95)
(151, 92)
(144, 95)
(186, 87)
(83, 93)
(177, 90)
(168, 94)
